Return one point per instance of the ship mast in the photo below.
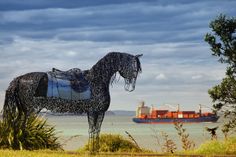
(200, 110)
(178, 108)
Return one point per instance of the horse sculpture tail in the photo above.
(12, 112)
(12, 102)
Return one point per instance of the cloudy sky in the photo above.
(36, 35)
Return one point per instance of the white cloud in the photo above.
(195, 77)
(71, 53)
(160, 76)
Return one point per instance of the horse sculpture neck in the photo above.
(106, 67)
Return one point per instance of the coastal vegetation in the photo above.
(42, 137)
(209, 148)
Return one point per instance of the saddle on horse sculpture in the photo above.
(69, 84)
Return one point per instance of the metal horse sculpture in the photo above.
(29, 93)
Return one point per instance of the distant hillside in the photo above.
(48, 113)
(110, 113)
(123, 113)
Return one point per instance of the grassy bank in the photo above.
(49, 153)
(116, 145)
(209, 148)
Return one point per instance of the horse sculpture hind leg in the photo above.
(95, 120)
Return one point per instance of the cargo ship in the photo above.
(145, 114)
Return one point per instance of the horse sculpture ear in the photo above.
(140, 55)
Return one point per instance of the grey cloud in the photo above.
(99, 16)
(33, 4)
(4, 40)
(133, 22)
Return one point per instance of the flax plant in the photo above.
(32, 134)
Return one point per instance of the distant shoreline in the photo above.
(108, 113)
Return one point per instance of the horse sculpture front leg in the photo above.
(95, 121)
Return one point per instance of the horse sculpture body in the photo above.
(29, 93)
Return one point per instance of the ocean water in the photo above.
(73, 131)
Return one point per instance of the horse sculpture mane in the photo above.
(30, 92)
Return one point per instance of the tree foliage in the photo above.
(224, 94)
(223, 41)
(223, 45)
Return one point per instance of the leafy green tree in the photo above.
(223, 41)
(223, 45)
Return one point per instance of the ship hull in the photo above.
(172, 120)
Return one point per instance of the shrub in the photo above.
(187, 144)
(211, 147)
(218, 147)
(230, 146)
(165, 142)
(35, 134)
(169, 145)
(114, 143)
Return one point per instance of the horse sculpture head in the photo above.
(129, 70)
